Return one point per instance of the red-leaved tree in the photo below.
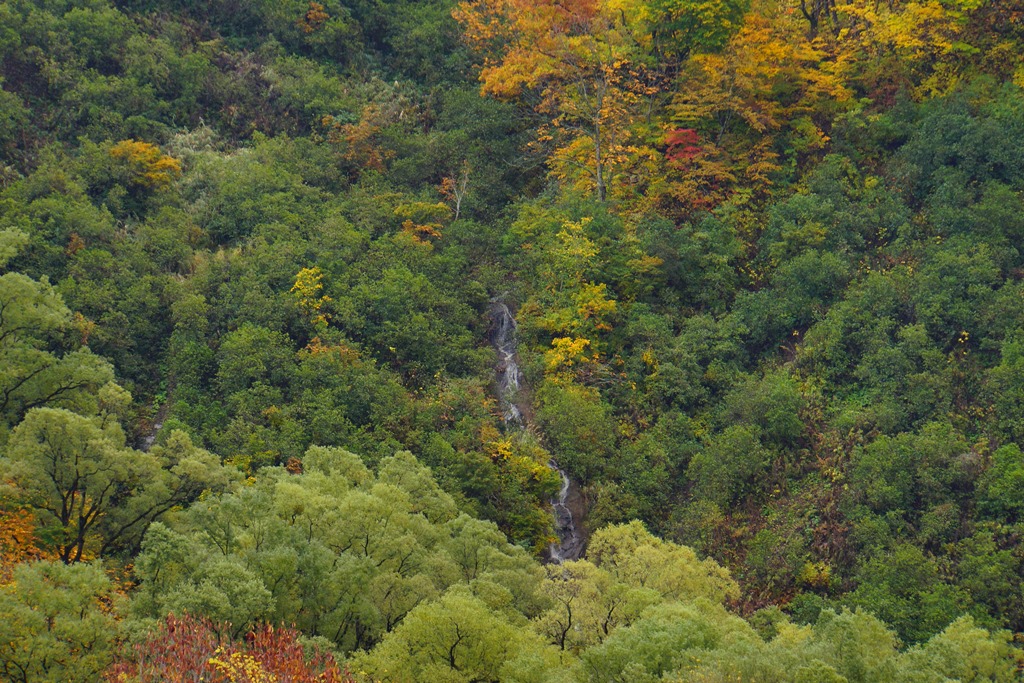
(191, 649)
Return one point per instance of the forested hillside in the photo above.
(764, 261)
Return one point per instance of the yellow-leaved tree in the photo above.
(309, 298)
(727, 120)
(884, 47)
(594, 71)
(147, 165)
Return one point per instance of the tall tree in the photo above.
(32, 318)
(92, 493)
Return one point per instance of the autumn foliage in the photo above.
(18, 542)
(190, 649)
(307, 291)
(314, 18)
(386, 278)
(147, 165)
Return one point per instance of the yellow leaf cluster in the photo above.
(500, 449)
(307, 288)
(593, 304)
(148, 166)
(241, 667)
(921, 38)
(565, 352)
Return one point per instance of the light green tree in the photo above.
(339, 552)
(459, 639)
(59, 623)
(588, 605)
(91, 492)
(634, 556)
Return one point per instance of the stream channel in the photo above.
(503, 336)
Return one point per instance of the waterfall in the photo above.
(150, 438)
(503, 336)
(570, 541)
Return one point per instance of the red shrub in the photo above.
(192, 650)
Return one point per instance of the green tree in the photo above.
(579, 427)
(92, 493)
(637, 558)
(32, 317)
(60, 623)
(904, 588)
(963, 652)
(458, 639)
(1001, 487)
(588, 605)
(732, 464)
(665, 641)
(341, 553)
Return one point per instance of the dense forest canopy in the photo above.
(764, 262)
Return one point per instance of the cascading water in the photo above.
(504, 339)
(150, 439)
(570, 541)
(503, 336)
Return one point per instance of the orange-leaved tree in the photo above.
(594, 70)
(19, 542)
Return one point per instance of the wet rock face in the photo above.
(567, 505)
(570, 540)
(503, 336)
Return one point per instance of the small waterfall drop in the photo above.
(570, 541)
(150, 438)
(503, 336)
